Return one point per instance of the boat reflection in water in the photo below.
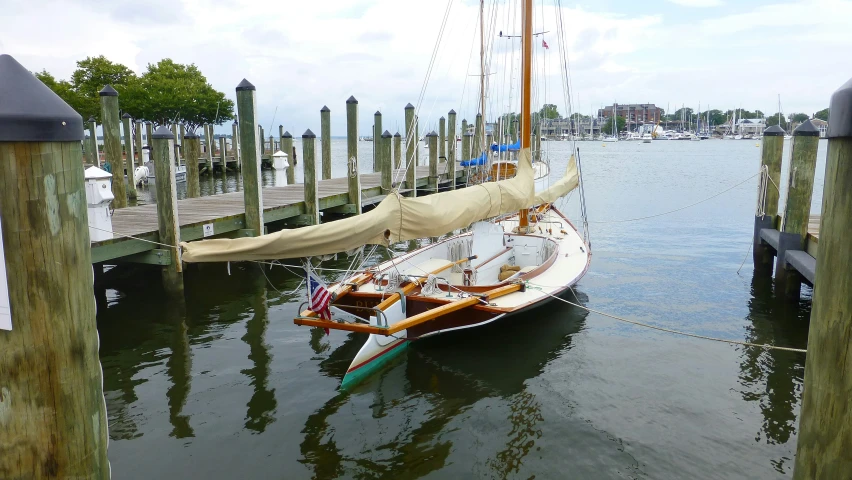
(418, 398)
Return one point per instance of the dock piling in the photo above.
(137, 130)
(387, 162)
(465, 152)
(52, 410)
(251, 155)
(410, 146)
(397, 150)
(770, 157)
(128, 152)
(192, 143)
(800, 186)
(235, 143)
(287, 147)
(112, 144)
(352, 175)
(451, 148)
(476, 146)
(432, 141)
(208, 142)
(325, 141)
(442, 139)
(825, 426)
(92, 147)
(167, 213)
(377, 135)
(466, 141)
(309, 139)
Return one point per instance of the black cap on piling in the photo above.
(92, 119)
(308, 134)
(245, 85)
(478, 114)
(386, 134)
(806, 129)
(442, 118)
(351, 99)
(377, 114)
(452, 112)
(397, 134)
(409, 106)
(287, 134)
(163, 133)
(774, 131)
(108, 91)
(324, 109)
(235, 122)
(432, 134)
(30, 111)
(840, 112)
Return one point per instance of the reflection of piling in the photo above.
(352, 177)
(770, 159)
(167, 213)
(52, 413)
(251, 156)
(825, 428)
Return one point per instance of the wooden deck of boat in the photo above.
(226, 213)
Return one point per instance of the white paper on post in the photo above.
(5, 310)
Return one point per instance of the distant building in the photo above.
(557, 127)
(822, 125)
(750, 126)
(635, 113)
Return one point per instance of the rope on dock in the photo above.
(681, 208)
(667, 330)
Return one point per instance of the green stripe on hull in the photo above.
(357, 376)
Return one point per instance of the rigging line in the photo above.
(667, 330)
(681, 208)
(296, 290)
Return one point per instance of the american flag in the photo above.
(319, 299)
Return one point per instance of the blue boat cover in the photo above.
(507, 148)
(475, 162)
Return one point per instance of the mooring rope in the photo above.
(667, 330)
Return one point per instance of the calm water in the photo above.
(226, 386)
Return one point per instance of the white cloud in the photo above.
(698, 3)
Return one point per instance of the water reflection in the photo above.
(774, 378)
(262, 404)
(432, 386)
(179, 372)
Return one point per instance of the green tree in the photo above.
(607, 126)
(717, 117)
(676, 116)
(90, 77)
(822, 115)
(799, 117)
(170, 92)
(549, 110)
(63, 88)
(773, 120)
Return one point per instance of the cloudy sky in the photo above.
(303, 55)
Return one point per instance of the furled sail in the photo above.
(395, 219)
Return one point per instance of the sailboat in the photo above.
(613, 137)
(518, 252)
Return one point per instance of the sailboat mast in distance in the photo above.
(482, 73)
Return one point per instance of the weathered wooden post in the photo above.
(417, 140)
(167, 214)
(465, 151)
(770, 158)
(442, 139)
(223, 151)
(353, 178)
(192, 143)
(271, 147)
(95, 156)
(825, 426)
(432, 142)
(178, 142)
(52, 412)
(489, 139)
(138, 137)
(112, 144)
(261, 141)
(281, 143)
(325, 141)
(208, 142)
(387, 165)
(250, 151)
(309, 139)
(476, 148)
(128, 152)
(451, 148)
(794, 223)
(515, 131)
(538, 140)
(149, 131)
(377, 135)
(397, 150)
(287, 147)
(466, 140)
(410, 146)
(235, 144)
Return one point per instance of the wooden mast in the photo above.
(526, 89)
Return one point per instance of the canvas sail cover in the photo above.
(395, 219)
(568, 182)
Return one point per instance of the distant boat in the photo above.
(365, 139)
(180, 173)
(646, 138)
(610, 138)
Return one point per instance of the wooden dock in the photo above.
(226, 213)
